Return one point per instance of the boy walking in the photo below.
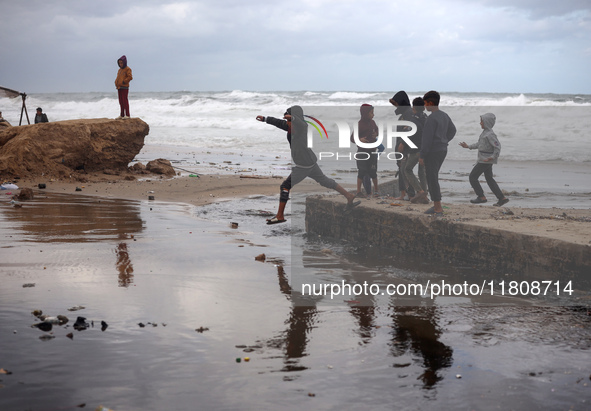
(489, 148)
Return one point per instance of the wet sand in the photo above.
(562, 223)
(176, 266)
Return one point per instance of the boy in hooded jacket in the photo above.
(404, 111)
(122, 84)
(367, 168)
(489, 148)
(304, 159)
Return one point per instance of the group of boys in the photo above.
(431, 139)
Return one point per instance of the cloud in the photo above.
(326, 44)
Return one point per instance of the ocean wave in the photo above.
(547, 127)
(350, 95)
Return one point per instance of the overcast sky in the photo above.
(529, 46)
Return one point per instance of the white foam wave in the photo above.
(227, 119)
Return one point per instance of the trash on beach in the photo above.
(62, 319)
(28, 285)
(261, 257)
(44, 326)
(78, 189)
(256, 177)
(151, 197)
(42, 185)
(102, 408)
(80, 324)
(234, 225)
(52, 320)
(76, 308)
(201, 329)
(8, 186)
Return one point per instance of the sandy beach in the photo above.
(194, 320)
(563, 223)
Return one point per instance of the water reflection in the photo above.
(124, 265)
(74, 219)
(302, 318)
(414, 322)
(415, 329)
(365, 316)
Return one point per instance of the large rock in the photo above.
(56, 149)
(161, 166)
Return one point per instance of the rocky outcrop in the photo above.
(57, 149)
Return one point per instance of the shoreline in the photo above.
(562, 223)
(196, 191)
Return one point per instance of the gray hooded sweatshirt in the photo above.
(302, 155)
(488, 144)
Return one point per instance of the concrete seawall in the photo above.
(451, 240)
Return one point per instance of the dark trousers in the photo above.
(123, 101)
(298, 174)
(403, 184)
(488, 175)
(433, 162)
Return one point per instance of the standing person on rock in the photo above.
(122, 84)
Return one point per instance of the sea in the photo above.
(226, 119)
(546, 149)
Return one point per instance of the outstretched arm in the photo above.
(282, 124)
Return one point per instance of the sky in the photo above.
(512, 46)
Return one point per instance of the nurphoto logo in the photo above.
(388, 131)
